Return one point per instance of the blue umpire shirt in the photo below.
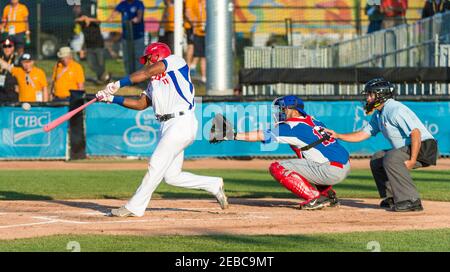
(396, 121)
(129, 11)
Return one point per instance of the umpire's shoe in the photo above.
(408, 206)
(222, 198)
(387, 203)
(121, 212)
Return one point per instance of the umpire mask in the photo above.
(382, 91)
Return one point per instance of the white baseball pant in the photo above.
(166, 162)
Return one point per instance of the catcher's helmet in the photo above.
(382, 89)
(287, 102)
(157, 50)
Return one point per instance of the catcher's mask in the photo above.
(382, 91)
(280, 104)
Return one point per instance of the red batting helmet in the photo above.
(158, 51)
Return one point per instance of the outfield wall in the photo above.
(111, 130)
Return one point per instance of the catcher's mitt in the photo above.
(221, 130)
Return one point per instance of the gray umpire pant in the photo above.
(391, 176)
(317, 173)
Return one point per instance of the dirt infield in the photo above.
(210, 163)
(24, 219)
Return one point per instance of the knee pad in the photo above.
(294, 182)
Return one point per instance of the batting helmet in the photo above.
(381, 88)
(287, 102)
(157, 50)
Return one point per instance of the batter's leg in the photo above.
(160, 161)
(174, 176)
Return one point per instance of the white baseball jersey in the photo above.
(173, 90)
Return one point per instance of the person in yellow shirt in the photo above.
(167, 25)
(188, 28)
(67, 75)
(31, 80)
(15, 23)
(196, 13)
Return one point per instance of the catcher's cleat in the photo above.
(328, 192)
(333, 201)
(315, 204)
(121, 212)
(222, 198)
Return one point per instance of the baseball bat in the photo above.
(66, 116)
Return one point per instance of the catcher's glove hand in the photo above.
(221, 130)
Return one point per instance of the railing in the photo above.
(425, 43)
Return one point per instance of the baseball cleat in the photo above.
(222, 198)
(315, 204)
(408, 206)
(121, 212)
(332, 201)
(387, 203)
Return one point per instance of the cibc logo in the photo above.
(27, 128)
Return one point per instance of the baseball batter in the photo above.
(322, 162)
(171, 93)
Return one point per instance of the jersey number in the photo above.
(318, 131)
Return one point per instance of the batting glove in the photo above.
(112, 87)
(102, 96)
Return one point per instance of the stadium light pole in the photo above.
(178, 33)
(219, 51)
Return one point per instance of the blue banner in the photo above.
(22, 135)
(112, 130)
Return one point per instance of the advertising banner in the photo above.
(114, 130)
(22, 135)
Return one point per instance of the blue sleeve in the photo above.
(279, 134)
(141, 6)
(406, 121)
(119, 7)
(372, 128)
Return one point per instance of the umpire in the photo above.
(412, 146)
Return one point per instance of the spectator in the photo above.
(77, 41)
(15, 24)
(196, 13)
(67, 75)
(435, 6)
(394, 12)
(375, 18)
(31, 80)
(188, 27)
(8, 83)
(167, 26)
(94, 44)
(132, 41)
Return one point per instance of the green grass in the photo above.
(72, 184)
(423, 240)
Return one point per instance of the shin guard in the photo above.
(294, 182)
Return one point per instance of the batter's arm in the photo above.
(141, 103)
(252, 136)
(147, 72)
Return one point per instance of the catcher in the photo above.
(322, 162)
